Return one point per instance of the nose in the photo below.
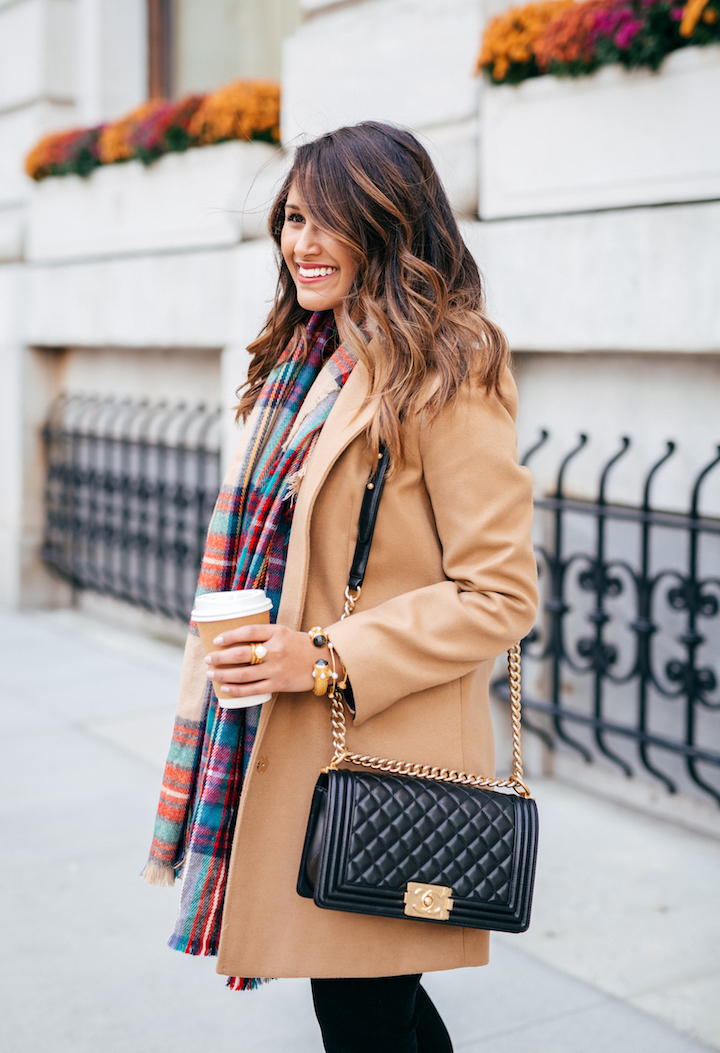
(307, 244)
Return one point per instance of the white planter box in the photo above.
(207, 197)
(610, 140)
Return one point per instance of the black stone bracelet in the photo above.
(318, 636)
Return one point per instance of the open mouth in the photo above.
(315, 274)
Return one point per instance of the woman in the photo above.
(377, 335)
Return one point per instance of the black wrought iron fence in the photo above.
(622, 663)
(623, 659)
(130, 489)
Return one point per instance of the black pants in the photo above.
(389, 1014)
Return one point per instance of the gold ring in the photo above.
(258, 653)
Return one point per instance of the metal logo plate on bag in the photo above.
(428, 901)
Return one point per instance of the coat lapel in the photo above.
(348, 417)
(323, 386)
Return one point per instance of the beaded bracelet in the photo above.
(321, 676)
(320, 638)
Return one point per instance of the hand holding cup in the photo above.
(218, 612)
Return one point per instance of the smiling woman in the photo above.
(378, 337)
(322, 267)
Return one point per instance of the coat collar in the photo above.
(324, 384)
(348, 417)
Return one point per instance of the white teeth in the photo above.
(316, 272)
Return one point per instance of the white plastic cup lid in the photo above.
(242, 703)
(216, 606)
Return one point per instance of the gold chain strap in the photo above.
(425, 771)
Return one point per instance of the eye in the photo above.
(294, 217)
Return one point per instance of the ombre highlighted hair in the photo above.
(417, 292)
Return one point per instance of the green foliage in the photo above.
(657, 35)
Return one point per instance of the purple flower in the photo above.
(626, 33)
(606, 22)
(149, 133)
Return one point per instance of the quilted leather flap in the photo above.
(404, 829)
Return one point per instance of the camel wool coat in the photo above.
(450, 584)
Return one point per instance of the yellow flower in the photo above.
(48, 152)
(510, 36)
(502, 65)
(691, 16)
(115, 138)
(241, 110)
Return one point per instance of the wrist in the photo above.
(328, 669)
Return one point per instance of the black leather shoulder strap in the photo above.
(366, 523)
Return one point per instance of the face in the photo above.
(321, 267)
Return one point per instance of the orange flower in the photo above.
(115, 141)
(244, 109)
(566, 38)
(64, 152)
(510, 37)
(49, 151)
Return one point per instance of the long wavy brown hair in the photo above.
(417, 291)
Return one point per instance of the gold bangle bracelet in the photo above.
(333, 676)
(321, 676)
(340, 682)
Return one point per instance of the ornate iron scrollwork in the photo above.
(628, 640)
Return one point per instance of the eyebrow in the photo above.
(297, 208)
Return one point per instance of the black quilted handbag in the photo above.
(416, 841)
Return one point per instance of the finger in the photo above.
(245, 634)
(230, 656)
(258, 687)
(236, 674)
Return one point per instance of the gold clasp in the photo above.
(428, 901)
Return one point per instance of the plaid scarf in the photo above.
(246, 549)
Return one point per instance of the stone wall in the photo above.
(613, 314)
(410, 62)
(62, 63)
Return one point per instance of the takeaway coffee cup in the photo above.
(216, 612)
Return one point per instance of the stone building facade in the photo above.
(593, 210)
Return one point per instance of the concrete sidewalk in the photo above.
(623, 953)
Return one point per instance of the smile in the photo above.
(313, 273)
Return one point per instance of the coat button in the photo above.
(262, 764)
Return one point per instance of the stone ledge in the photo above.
(629, 280)
(195, 299)
(209, 196)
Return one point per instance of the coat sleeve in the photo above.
(482, 504)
